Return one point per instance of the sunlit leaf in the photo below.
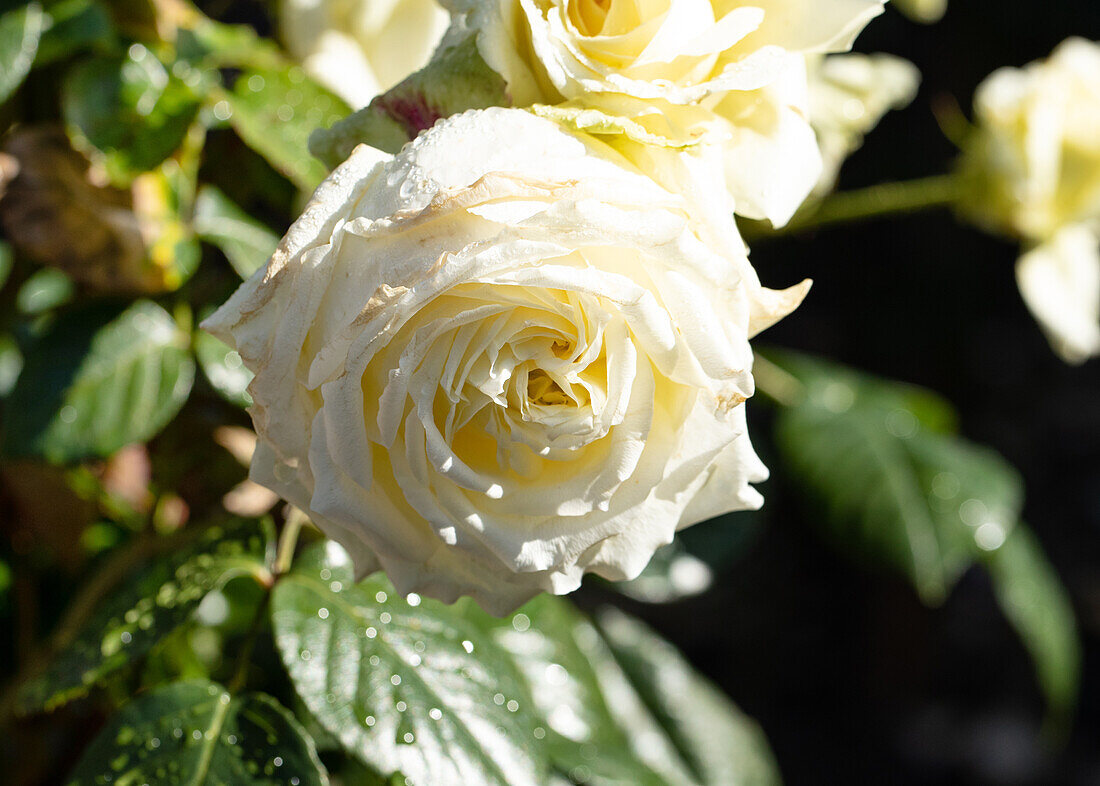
(147, 607)
(129, 113)
(410, 688)
(45, 289)
(197, 733)
(672, 574)
(274, 110)
(20, 31)
(621, 707)
(98, 380)
(246, 242)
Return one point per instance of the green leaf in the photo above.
(1036, 603)
(417, 690)
(607, 725)
(716, 740)
(98, 380)
(11, 363)
(72, 26)
(128, 113)
(217, 45)
(246, 242)
(274, 110)
(455, 80)
(893, 489)
(672, 574)
(197, 733)
(7, 262)
(46, 289)
(148, 607)
(223, 366)
(896, 489)
(20, 31)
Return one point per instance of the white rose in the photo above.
(849, 95)
(1034, 166)
(359, 48)
(742, 62)
(501, 359)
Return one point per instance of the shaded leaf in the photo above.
(129, 113)
(146, 608)
(416, 690)
(72, 26)
(223, 366)
(455, 80)
(893, 489)
(274, 110)
(896, 489)
(246, 242)
(1037, 605)
(20, 31)
(197, 733)
(98, 380)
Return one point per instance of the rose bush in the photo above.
(1034, 171)
(684, 70)
(358, 48)
(498, 370)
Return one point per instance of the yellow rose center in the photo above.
(613, 17)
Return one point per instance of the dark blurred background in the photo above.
(852, 679)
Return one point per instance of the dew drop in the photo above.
(401, 706)
(498, 699)
(384, 617)
(322, 613)
(380, 596)
(395, 679)
(369, 721)
(435, 713)
(512, 705)
(468, 646)
(521, 622)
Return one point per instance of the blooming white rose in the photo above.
(496, 370)
(849, 95)
(359, 48)
(1034, 165)
(743, 62)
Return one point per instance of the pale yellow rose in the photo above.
(1033, 168)
(742, 63)
(495, 370)
(359, 48)
(849, 95)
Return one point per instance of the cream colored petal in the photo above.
(1060, 282)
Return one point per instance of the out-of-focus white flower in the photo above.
(497, 369)
(849, 94)
(924, 11)
(1033, 167)
(358, 48)
(650, 68)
